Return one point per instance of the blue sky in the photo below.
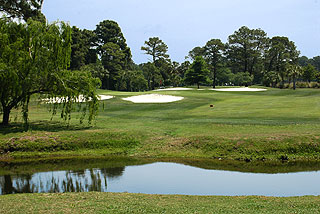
(185, 24)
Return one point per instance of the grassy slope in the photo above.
(139, 203)
(277, 124)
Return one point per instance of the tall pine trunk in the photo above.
(214, 78)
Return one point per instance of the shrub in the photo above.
(242, 79)
(314, 85)
(302, 85)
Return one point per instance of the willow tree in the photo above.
(34, 58)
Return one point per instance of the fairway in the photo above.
(272, 124)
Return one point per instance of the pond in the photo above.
(159, 178)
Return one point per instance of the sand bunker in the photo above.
(240, 89)
(174, 89)
(153, 98)
(79, 99)
(105, 97)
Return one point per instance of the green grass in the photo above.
(139, 203)
(272, 125)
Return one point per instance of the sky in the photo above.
(185, 24)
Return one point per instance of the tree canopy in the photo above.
(22, 9)
(245, 49)
(198, 72)
(156, 48)
(113, 50)
(82, 51)
(213, 54)
(34, 59)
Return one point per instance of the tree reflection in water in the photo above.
(59, 181)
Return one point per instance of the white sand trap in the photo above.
(105, 97)
(153, 98)
(174, 89)
(239, 89)
(79, 99)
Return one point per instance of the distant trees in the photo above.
(315, 61)
(82, 51)
(156, 48)
(281, 53)
(113, 50)
(245, 49)
(151, 74)
(294, 71)
(311, 68)
(114, 61)
(213, 53)
(198, 72)
(24, 9)
(168, 70)
(309, 73)
(250, 57)
(197, 51)
(105, 46)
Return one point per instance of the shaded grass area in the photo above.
(94, 202)
(272, 125)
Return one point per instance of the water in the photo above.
(164, 178)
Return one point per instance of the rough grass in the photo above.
(139, 203)
(272, 125)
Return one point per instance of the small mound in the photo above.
(239, 89)
(174, 89)
(153, 98)
(79, 99)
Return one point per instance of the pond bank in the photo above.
(96, 143)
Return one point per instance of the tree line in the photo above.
(249, 57)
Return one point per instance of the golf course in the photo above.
(159, 106)
(272, 125)
(268, 131)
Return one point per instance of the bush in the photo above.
(302, 85)
(242, 79)
(314, 85)
(271, 78)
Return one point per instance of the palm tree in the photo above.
(294, 72)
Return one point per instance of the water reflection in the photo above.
(145, 176)
(59, 181)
